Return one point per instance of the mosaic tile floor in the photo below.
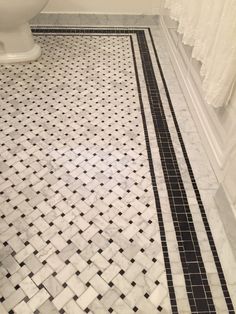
(100, 210)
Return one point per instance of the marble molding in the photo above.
(95, 20)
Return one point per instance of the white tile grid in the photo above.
(74, 175)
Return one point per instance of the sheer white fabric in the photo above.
(210, 27)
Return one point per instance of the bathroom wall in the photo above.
(148, 7)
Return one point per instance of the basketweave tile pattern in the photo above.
(76, 190)
(79, 225)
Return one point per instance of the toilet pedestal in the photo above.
(17, 45)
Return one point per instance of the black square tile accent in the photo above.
(146, 295)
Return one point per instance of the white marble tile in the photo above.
(62, 298)
(72, 308)
(22, 308)
(42, 274)
(29, 287)
(87, 297)
(38, 299)
(15, 298)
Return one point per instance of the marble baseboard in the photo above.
(95, 19)
(227, 216)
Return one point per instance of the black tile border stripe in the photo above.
(191, 259)
(195, 187)
(199, 293)
(156, 194)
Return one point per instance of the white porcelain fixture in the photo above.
(16, 40)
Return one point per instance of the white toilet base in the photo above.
(17, 45)
(25, 56)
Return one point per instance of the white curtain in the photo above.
(210, 27)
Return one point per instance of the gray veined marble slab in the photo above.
(95, 20)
